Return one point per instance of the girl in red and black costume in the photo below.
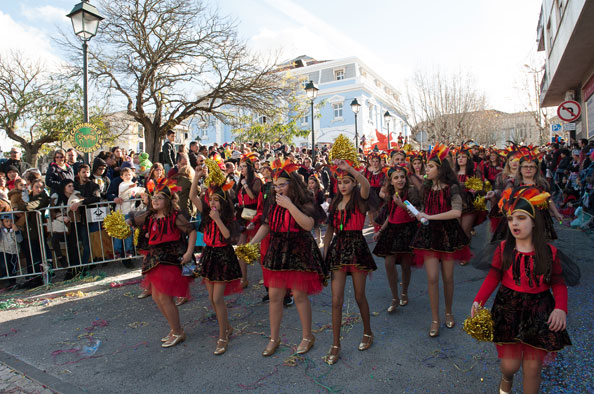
(346, 251)
(529, 321)
(416, 173)
(218, 264)
(247, 190)
(376, 177)
(264, 200)
(466, 169)
(397, 232)
(492, 167)
(529, 174)
(293, 260)
(502, 180)
(169, 243)
(442, 239)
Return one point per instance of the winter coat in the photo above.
(55, 175)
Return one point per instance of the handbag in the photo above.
(248, 214)
(191, 268)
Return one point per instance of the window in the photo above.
(339, 74)
(140, 146)
(262, 119)
(305, 119)
(337, 110)
(371, 117)
(140, 131)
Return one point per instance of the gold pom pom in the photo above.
(116, 226)
(474, 183)
(343, 149)
(136, 235)
(488, 187)
(480, 327)
(479, 203)
(248, 252)
(215, 176)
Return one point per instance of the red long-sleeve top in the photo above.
(525, 280)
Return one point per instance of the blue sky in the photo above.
(490, 39)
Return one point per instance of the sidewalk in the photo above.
(12, 381)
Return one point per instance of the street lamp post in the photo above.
(387, 117)
(85, 21)
(312, 92)
(355, 107)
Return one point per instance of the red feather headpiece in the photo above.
(525, 199)
(167, 187)
(285, 169)
(250, 158)
(439, 153)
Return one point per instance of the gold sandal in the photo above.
(366, 345)
(403, 299)
(449, 320)
(302, 349)
(330, 358)
(221, 346)
(393, 305)
(504, 380)
(271, 347)
(174, 340)
(434, 331)
(165, 339)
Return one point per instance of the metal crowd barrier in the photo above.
(50, 243)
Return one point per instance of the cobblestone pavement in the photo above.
(12, 381)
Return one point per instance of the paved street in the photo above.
(106, 341)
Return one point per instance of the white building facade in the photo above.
(339, 82)
(566, 33)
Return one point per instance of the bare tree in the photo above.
(448, 107)
(171, 60)
(38, 108)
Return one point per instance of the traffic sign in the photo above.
(556, 127)
(569, 127)
(569, 110)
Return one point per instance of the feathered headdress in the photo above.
(216, 181)
(525, 199)
(398, 167)
(529, 153)
(438, 153)
(167, 187)
(250, 158)
(284, 169)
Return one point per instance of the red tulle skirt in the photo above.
(167, 279)
(463, 254)
(307, 282)
(522, 351)
(231, 287)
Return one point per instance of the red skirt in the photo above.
(522, 351)
(307, 282)
(463, 254)
(231, 287)
(167, 279)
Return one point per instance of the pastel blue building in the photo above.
(339, 82)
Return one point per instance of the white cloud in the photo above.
(30, 41)
(315, 37)
(47, 13)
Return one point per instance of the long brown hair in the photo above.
(542, 252)
(297, 191)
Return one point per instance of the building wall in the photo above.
(359, 81)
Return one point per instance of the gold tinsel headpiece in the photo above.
(343, 149)
(216, 181)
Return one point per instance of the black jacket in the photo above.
(55, 175)
(19, 164)
(168, 153)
